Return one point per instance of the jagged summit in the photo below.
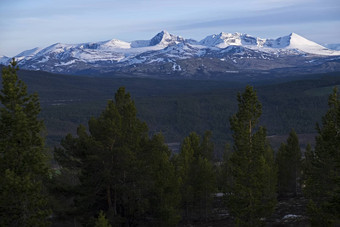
(165, 38)
(226, 50)
(292, 41)
(224, 40)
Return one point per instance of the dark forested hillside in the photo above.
(177, 107)
(109, 168)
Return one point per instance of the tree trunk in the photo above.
(108, 194)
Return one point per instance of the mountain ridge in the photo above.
(168, 54)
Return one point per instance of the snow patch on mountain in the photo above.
(164, 47)
(27, 54)
(224, 40)
(295, 41)
(66, 63)
(45, 59)
(165, 39)
(290, 42)
(4, 60)
(114, 44)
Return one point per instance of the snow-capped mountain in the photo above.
(224, 40)
(4, 60)
(168, 53)
(290, 42)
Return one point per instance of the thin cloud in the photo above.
(281, 16)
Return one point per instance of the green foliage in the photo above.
(120, 170)
(224, 170)
(288, 160)
(102, 221)
(159, 182)
(322, 168)
(178, 107)
(105, 161)
(251, 194)
(23, 160)
(198, 178)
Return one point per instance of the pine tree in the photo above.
(198, 178)
(102, 221)
(120, 170)
(159, 183)
(251, 194)
(23, 168)
(104, 160)
(288, 160)
(322, 168)
(225, 178)
(183, 164)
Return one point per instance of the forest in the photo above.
(176, 107)
(114, 172)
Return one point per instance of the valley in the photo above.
(177, 107)
(169, 113)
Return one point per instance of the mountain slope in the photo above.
(4, 60)
(168, 54)
(295, 41)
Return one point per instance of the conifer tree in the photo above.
(288, 160)
(102, 220)
(23, 168)
(120, 170)
(198, 178)
(159, 182)
(251, 194)
(225, 178)
(322, 168)
(183, 164)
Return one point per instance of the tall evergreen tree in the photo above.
(105, 162)
(322, 168)
(120, 170)
(160, 184)
(288, 160)
(224, 177)
(183, 162)
(23, 162)
(198, 178)
(251, 194)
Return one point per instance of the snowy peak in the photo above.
(299, 42)
(164, 38)
(224, 40)
(221, 40)
(293, 42)
(296, 42)
(27, 54)
(55, 49)
(237, 49)
(115, 43)
(4, 60)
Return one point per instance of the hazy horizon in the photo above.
(27, 24)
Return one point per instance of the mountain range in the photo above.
(168, 54)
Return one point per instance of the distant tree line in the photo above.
(112, 173)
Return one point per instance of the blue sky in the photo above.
(25, 24)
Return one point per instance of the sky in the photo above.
(26, 24)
